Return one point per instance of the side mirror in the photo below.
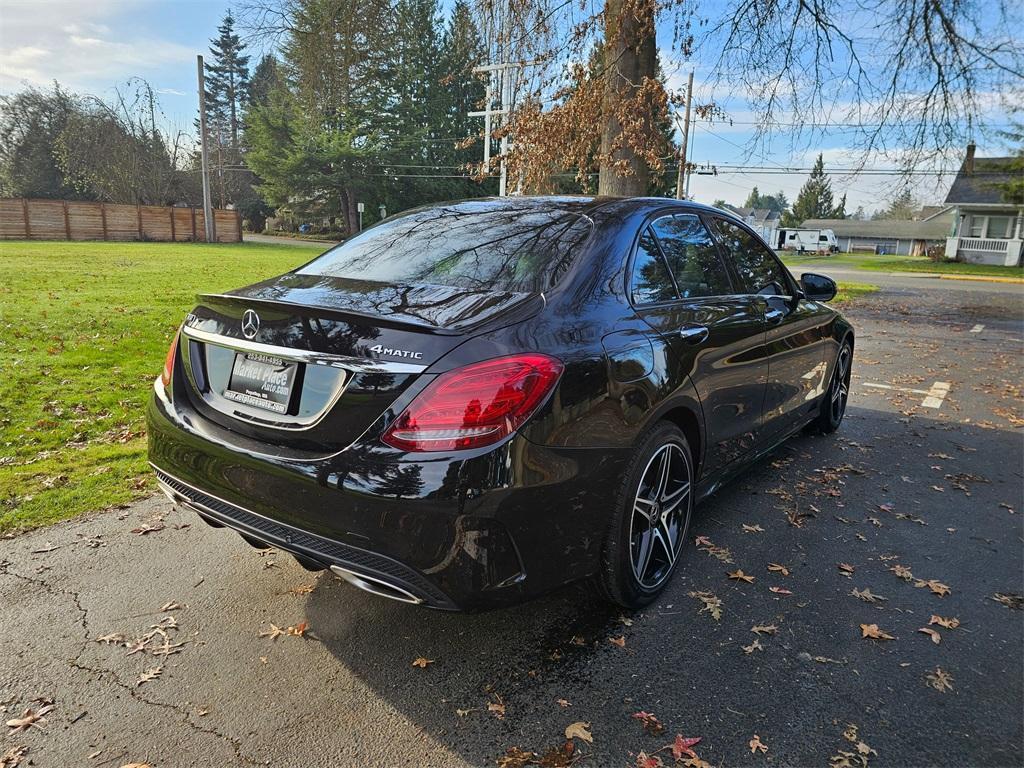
(817, 287)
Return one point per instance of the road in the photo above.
(902, 488)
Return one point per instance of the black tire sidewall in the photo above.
(619, 583)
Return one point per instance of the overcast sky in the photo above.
(92, 46)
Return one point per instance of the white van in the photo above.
(808, 240)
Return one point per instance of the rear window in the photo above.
(468, 245)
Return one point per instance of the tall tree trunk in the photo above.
(630, 56)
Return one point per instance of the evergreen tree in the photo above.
(265, 78)
(776, 202)
(815, 199)
(227, 82)
(903, 206)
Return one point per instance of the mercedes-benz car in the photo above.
(473, 403)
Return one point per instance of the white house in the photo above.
(986, 228)
(764, 221)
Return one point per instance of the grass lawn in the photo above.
(84, 329)
(850, 291)
(874, 263)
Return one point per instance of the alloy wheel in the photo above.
(658, 520)
(841, 385)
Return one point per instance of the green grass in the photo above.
(873, 263)
(84, 329)
(852, 291)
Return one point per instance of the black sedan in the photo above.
(473, 403)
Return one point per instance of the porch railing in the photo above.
(983, 244)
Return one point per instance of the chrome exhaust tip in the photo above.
(376, 586)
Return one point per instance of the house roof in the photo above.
(759, 215)
(982, 185)
(936, 228)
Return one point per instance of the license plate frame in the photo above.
(262, 381)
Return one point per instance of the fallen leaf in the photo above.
(937, 587)
(149, 674)
(497, 708)
(871, 631)
(712, 604)
(463, 712)
(935, 636)
(302, 589)
(757, 746)
(846, 569)
(619, 641)
(136, 765)
(752, 528)
(274, 632)
(515, 757)
(776, 568)
(705, 545)
(12, 757)
(579, 730)
(299, 630)
(764, 629)
(559, 757)
(683, 747)
(563, 703)
(29, 718)
(1011, 600)
(940, 680)
(944, 622)
(145, 528)
(867, 596)
(754, 646)
(780, 590)
(739, 575)
(422, 662)
(650, 723)
(643, 760)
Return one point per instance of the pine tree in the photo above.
(265, 78)
(227, 81)
(815, 199)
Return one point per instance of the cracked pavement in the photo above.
(890, 488)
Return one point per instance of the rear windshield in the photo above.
(467, 245)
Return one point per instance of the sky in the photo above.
(95, 46)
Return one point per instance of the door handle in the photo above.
(694, 334)
(774, 316)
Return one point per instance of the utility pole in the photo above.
(211, 233)
(682, 188)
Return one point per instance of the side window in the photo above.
(651, 281)
(757, 267)
(692, 256)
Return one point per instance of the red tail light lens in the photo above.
(476, 405)
(165, 374)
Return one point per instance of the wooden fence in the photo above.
(22, 219)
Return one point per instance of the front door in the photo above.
(793, 331)
(682, 289)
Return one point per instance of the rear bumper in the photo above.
(491, 529)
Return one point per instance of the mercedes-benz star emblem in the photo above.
(250, 323)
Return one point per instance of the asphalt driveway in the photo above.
(148, 637)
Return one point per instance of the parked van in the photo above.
(808, 240)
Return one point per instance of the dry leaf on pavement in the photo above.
(274, 632)
(935, 636)
(940, 680)
(752, 528)
(422, 662)
(756, 745)
(764, 629)
(650, 723)
(867, 596)
(579, 730)
(619, 641)
(739, 575)
(12, 757)
(30, 717)
(942, 621)
(780, 590)
(683, 747)
(497, 708)
(776, 568)
(515, 757)
(872, 632)
(754, 646)
(846, 569)
(937, 587)
(1011, 600)
(712, 604)
(149, 674)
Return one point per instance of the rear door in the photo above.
(793, 330)
(682, 289)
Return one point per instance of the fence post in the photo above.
(138, 217)
(103, 218)
(174, 238)
(24, 212)
(193, 209)
(238, 223)
(67, 221)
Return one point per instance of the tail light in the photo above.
(476, 405)
(165, 374)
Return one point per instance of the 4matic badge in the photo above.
(382, 350)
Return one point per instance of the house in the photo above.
(889, 236)
(986, 228)
(764, 221)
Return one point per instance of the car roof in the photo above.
(587, 205)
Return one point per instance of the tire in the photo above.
(833, 404)
(650, 520)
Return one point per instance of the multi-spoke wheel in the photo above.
(833, 406)
(649, 529)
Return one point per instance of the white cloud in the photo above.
(68, 41)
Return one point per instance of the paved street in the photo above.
(912, 500)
